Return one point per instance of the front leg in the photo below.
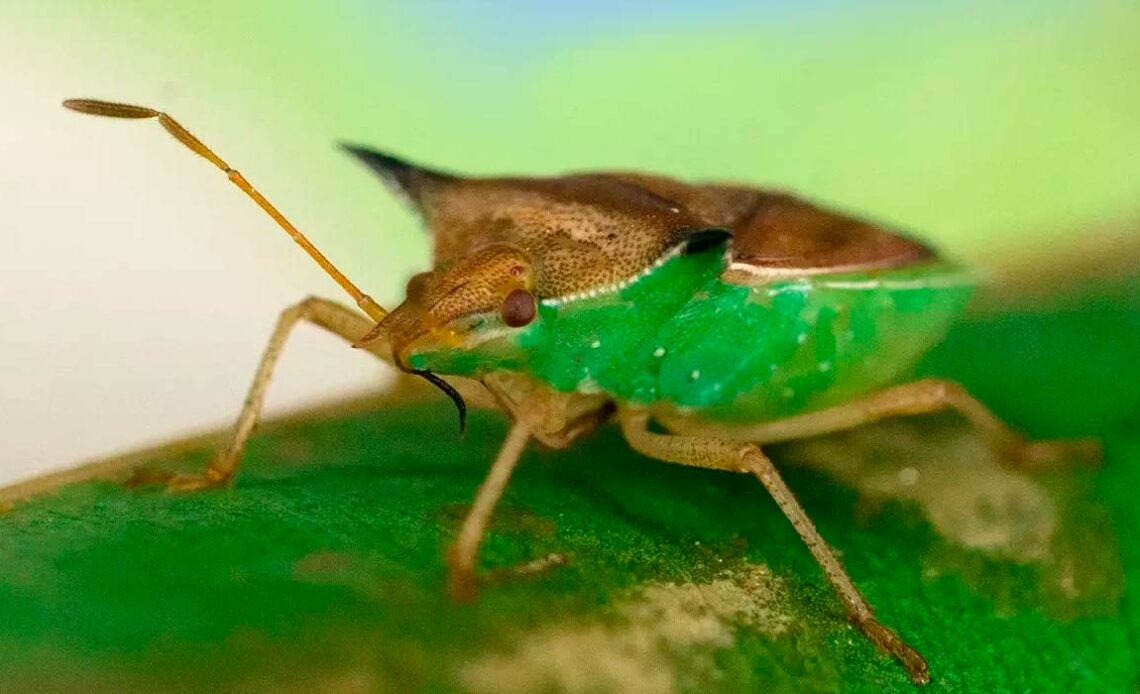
(735, 456)
(336, 318)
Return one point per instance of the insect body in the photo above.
(683, 338)
(731, 316)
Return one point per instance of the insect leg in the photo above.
(337, 319)
(739, 456)
(464, 551)
(922, 397)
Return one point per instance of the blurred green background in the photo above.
(140, 289)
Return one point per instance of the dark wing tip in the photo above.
(786, 233)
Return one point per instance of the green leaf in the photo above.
(322, 567)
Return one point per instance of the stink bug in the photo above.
(730, 316)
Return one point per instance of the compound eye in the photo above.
(519, 308)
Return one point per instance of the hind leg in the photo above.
(736, 456)
(920, 397)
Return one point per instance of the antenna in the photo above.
(114, 110)
(374, 310)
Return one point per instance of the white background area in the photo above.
(138, 286)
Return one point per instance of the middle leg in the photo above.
(464, 552)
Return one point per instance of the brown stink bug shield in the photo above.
(731, 316)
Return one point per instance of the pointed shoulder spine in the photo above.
(410, 181)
